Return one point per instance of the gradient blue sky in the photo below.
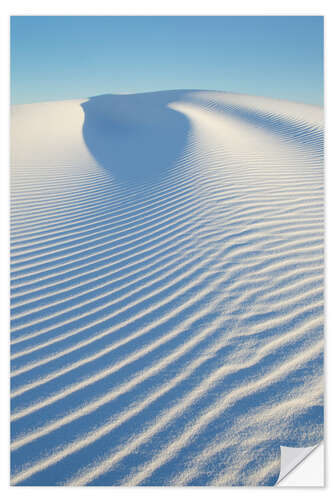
(55, 58)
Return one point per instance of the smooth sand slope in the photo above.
(167, 288)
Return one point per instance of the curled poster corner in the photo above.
(291, 458)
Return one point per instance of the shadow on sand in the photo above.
(137, 137)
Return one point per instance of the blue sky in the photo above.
(55, 58)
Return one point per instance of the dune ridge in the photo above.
(167, 288)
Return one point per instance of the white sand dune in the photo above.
(167, 288)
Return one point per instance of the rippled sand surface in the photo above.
(167, 288)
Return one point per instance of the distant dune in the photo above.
(167, 288)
